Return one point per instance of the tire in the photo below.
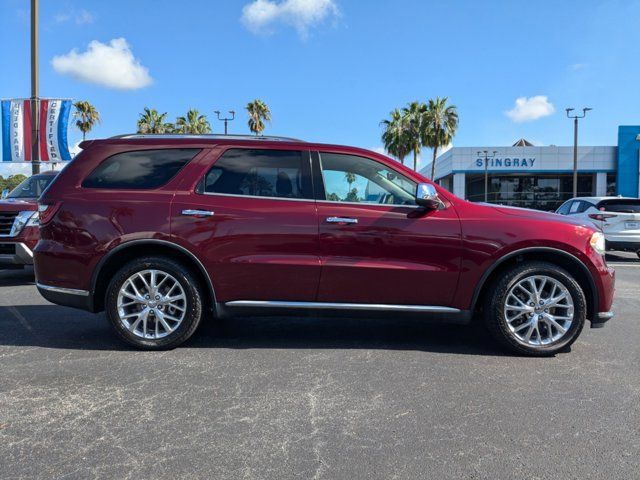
(149, 332)
(509, 318)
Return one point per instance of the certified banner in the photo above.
(52, 131)
(54, 121)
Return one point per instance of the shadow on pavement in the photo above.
(59, 327)
(17, 277)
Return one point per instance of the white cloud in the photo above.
(109, 65)
(14, 168)
(79, 17)
(532, 108)
(261, 16)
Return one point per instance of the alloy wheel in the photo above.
(538, 310)
(151, 304)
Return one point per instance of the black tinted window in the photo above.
(262, 173)
(620, 206)
(142, 169)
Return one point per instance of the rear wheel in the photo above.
(154, 303)
(536, 308)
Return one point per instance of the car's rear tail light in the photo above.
(602, 217)
(46, 211)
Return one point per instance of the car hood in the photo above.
(18, 204)
(538, 215)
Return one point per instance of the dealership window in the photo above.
(612, 187)
(542, 192)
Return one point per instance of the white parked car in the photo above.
(617, 217)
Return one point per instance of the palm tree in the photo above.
(87, 116)
(414, 117)
(152, 122)
(395, 135)
(441, 123)
(350, 178)
(193, 123)
(258, 114)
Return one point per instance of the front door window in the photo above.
(353, 179)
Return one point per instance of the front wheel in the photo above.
(536, 308)
(154, 303)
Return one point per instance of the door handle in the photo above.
(342, 220)
(197, 213)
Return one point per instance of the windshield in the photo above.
(32, 187)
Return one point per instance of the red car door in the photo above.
(252, 221)
(376, 245)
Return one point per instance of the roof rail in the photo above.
(209, 136)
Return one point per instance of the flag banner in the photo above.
(54, 121)
(16, 130)
(52, 132)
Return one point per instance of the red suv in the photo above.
(19, 221)
(161, 230)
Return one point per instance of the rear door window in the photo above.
(260, 173)
(140, 170)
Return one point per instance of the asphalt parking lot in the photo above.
(310, 398)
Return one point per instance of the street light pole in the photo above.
(486, 156)
(226, 119)
(35, 113)
(575, 145)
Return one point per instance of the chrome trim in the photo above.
(68, 291)
(367, 204)
(257, 196)
(343, 306)
(19, 222)
(198, 213)
(605, 315)
(341, 220)
(22, 254)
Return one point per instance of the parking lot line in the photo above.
(23, 321)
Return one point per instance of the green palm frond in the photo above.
(258, 114)
(87, 116)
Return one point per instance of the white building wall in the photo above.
(601, 184)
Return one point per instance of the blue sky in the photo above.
(331, 70)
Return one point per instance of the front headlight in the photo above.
(24, 219)
(597, 242)
(34, 220)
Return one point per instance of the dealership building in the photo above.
(528, 176)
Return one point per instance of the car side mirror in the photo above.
(5, 193)
(427, 196)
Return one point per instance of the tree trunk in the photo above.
(415, 160)
(433, 163)
(84, 134)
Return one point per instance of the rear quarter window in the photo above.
(140, 169)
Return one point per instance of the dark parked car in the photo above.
(19, 221)
(161, 230)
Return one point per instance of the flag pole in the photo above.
(35, 107)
